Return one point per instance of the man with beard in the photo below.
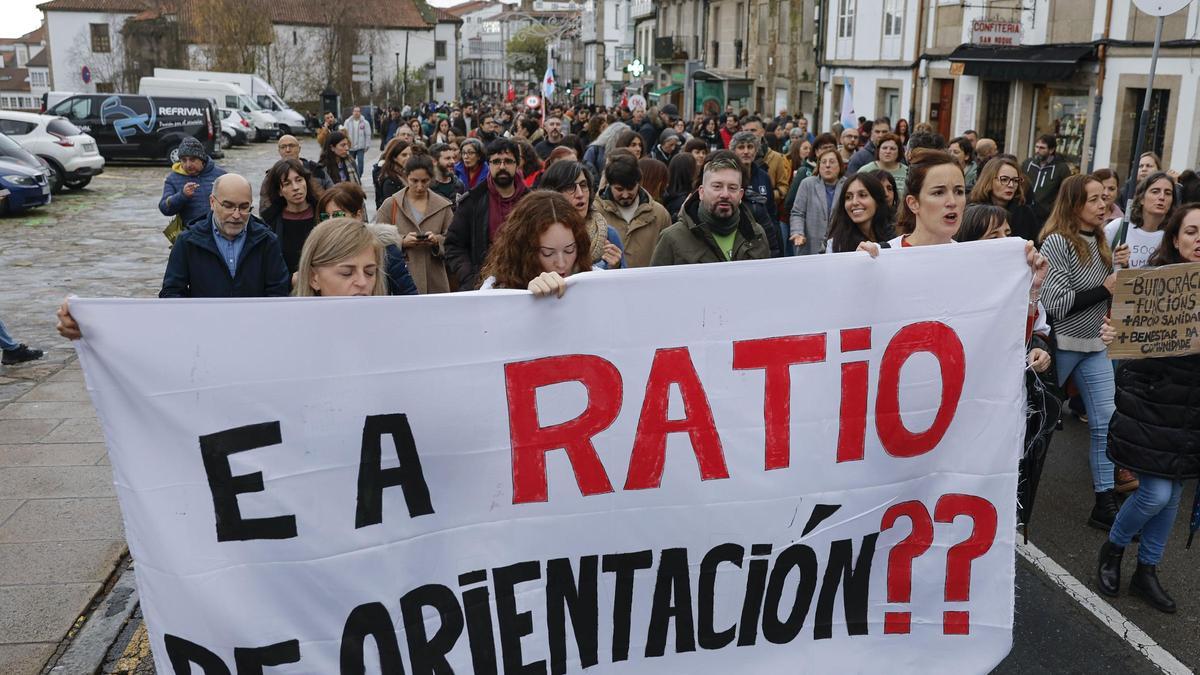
(445, 182)
(849, 144)
(779, 167)
(229, 254)
(482, 213)
(553, 137)
(759, 193)
(629, 209)
(716, 227)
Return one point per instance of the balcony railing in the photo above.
(675, 49)
(641, 8)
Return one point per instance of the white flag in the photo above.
(849, 119)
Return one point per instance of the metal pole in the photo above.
(404, 100)
(1141, 136)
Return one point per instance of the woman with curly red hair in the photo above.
(543, 241)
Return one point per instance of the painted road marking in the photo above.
(1123, 627)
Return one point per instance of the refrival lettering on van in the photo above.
(125, 121)
(166, 112)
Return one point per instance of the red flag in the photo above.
(512, 93)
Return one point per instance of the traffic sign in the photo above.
(532, 102)
(85, 74)
(637, 102)
(1161, 7)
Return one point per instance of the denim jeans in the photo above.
(358, 159)
(1151, 510)
(6, 341)
(1094, 376)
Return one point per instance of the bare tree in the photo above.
(109, 68)
(290, 66)
(338, 39)
(233, 35)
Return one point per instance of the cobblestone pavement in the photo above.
(60, 526)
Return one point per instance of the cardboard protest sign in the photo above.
(698, 469)
(1156, 312)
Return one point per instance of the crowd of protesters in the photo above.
(483, 197)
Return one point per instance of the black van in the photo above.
(129, 126)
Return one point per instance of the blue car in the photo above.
(26, 187)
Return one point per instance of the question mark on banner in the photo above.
(961, 555)
(900, 560)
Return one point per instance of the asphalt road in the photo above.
(106, 240)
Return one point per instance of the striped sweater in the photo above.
(1074, 294)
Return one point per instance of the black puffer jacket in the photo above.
(1156, 428)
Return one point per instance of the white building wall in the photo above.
(447, 67)
(70, 44)
(1184, 151)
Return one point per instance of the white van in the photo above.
(290, 121)
(222, 94)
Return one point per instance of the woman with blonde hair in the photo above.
(341, 257)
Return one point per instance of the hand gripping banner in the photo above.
(808, 463)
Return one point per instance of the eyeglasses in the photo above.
(240, 208)
(502, 162)
(335, 214)
(1008, 181)
(581, 186)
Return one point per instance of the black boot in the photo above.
(1105, 510)
(1145, 583)
(1108, 576)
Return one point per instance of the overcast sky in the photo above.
(22, 16)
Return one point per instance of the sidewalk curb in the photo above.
(88, 649)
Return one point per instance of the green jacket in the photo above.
(687, 242)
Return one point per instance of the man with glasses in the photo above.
(230, 254)
(716, 227)
(288, 147)
(482, 213)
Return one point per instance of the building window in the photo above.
(762, 24)
(740, 26)
(100, 41)
(105, 88)
(846, 18)
(893, 18)
(441, 85)
(38, 79)
(439, 49)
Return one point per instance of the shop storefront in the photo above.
(1063, 112)
(1028, 91)
(713, 90)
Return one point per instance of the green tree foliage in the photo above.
(527, 51)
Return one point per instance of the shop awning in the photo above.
(670, 88)
(1037, 63)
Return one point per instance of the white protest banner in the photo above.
(764, 466)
